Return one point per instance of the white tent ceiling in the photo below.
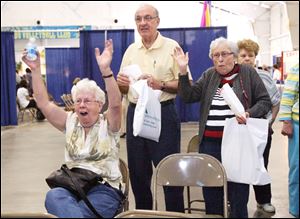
(251, 9)
(101, 14)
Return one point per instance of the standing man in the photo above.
(289, 115)
(153, 54)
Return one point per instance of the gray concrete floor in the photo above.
(30, 151)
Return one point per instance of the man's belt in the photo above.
(163, 103)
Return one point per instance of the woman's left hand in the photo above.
(104, 60)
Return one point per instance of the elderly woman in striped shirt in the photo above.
(252, 93)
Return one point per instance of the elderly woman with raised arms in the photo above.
(92, 139)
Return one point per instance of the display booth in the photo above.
(65, 64)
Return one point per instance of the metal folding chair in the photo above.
(190, 169)
(69, 104)
(22, 111)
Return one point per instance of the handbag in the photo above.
(86, 179)
(77, 180)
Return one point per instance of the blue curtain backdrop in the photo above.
(89, 40)
(8, 80)
(62, 67)
(196, 41)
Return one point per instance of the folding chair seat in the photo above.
(191, 169)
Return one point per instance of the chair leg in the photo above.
(22, 114)
(188, 199)
(33, 113)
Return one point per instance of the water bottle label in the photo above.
(31, 55)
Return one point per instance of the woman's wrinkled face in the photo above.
(223, 59)
(246, 57)
(87, 108)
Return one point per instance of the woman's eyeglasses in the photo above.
(222, 54)
(85, 101)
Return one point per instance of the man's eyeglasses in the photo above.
(146, 18)
(222, 54)
(85, 101)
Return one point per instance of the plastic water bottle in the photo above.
(31, 49)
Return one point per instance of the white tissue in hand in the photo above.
(133, 72)
(232, 100)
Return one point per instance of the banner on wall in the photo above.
(206, 13)
(47, 32)
(289, 59)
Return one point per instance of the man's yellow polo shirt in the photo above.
(157, 61)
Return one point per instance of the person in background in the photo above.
(153, 55)
(27, 101)
(28, 77)
(276, 74)
(18, 77)
(248, 50)
(84, 148)
(289, 116)
(267, 69)
(249, 89)
(18, 80)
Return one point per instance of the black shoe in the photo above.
(123, 135)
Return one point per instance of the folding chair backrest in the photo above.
(152, 214)
(190, 169)
(26, 215)
(193, 145)
(67, 99)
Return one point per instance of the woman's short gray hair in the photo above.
(86, 85)
(222, 41)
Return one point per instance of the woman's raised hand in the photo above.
(35, 64)
(104, 59)
(181, 59)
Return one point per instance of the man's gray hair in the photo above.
(86, 85)
(222, 41)
(148, 5)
